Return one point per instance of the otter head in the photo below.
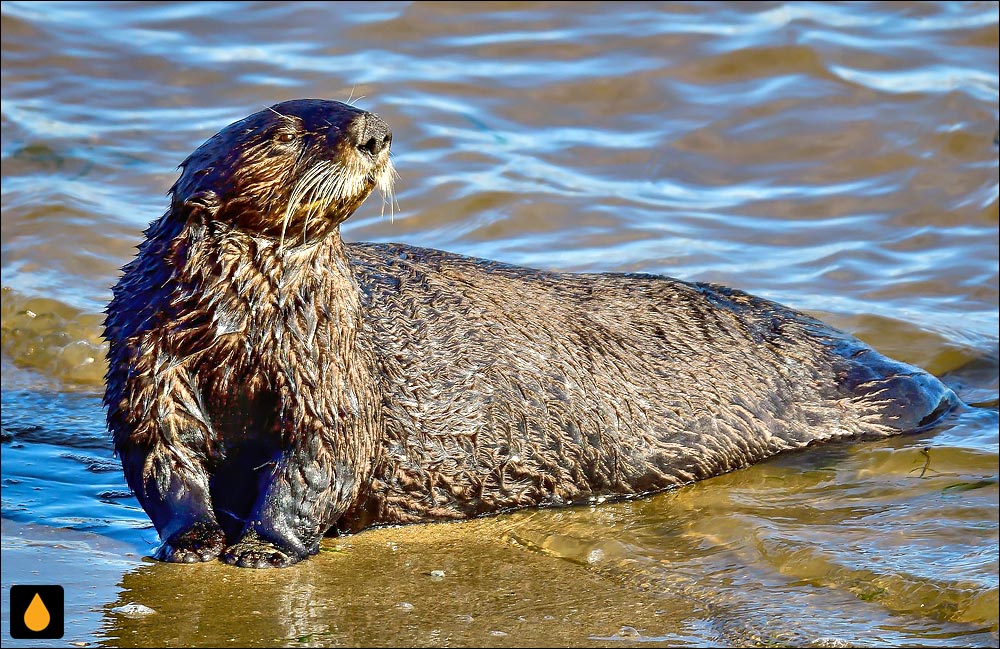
(292, 172)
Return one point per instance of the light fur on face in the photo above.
(331, 182)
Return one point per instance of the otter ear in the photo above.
(203, 205)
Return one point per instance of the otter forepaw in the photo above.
(200, 542)
(254, 552)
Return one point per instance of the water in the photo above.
(838, 158)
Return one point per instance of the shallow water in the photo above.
(838, 158)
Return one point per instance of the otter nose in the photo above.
(369, 133)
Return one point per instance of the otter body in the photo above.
(510, 387)
(268, 382)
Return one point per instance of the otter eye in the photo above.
(285, 137)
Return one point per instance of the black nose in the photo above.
(369, 133)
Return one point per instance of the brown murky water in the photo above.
(837, 157)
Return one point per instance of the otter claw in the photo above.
(254, 552)
(198, 543)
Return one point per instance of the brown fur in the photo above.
(262, 389)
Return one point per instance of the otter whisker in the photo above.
(317, 201)
(390, 185)
(349, 101)
(324, 196)
(276, 112)
(384, 181)
(332, 185)
(337, 186)
(311, 203)
(303, 188)
(293, 201)
(311, 200)
(328, 190)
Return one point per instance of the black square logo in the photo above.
(36, 612)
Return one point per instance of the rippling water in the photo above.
(838, 158)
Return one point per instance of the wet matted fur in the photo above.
(268, 382)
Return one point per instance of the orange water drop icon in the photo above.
(37, 616)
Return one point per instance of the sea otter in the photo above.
(267, 381)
